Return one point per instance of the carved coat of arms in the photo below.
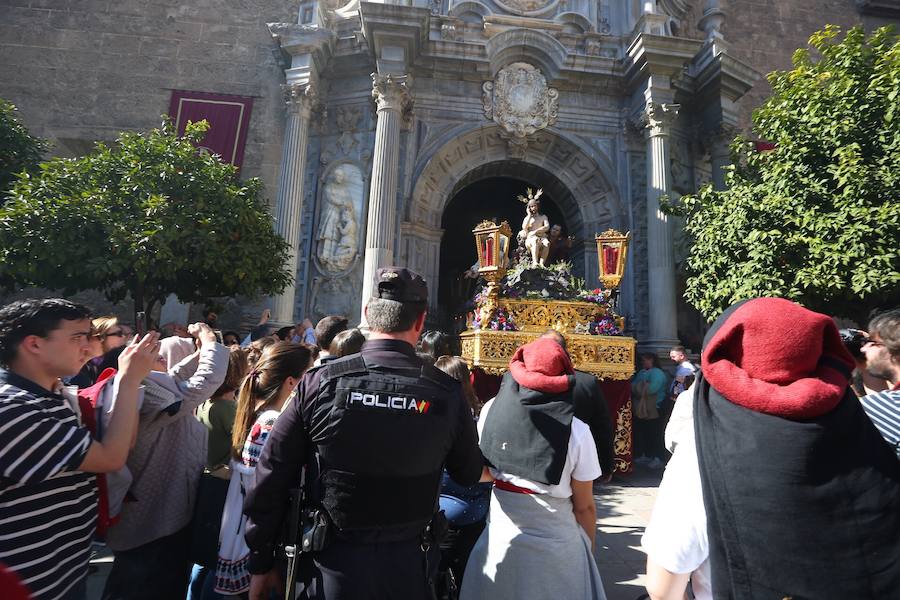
(520, 101)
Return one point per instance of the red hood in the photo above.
(543, 366)
(774, 356)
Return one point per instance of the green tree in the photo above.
(817, 219)
(148, 217)
(19, 150)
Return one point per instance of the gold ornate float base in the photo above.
(607, 357)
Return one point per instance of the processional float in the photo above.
(524, 298)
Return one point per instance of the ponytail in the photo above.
(262, 386)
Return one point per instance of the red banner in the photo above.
(228, 117)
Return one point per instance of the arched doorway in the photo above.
(575, 175)
(490, 192)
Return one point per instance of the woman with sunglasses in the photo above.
(108, 341)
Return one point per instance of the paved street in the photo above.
(623, 509)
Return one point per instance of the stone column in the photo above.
(718, 143)
(663, 322)
(300, 100)
(393, 103)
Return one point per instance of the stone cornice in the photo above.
(713, 68)
(392, 25)
(651, 54)
(302, 39)
(881, 8)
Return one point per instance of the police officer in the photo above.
(380, 425)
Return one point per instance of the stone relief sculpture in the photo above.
(520, 101)
(334, 297)
(338, 234)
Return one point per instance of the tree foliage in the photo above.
(148, 216)
(817, 219)
(19, 150)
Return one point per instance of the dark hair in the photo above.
(255, 352)
(435, 343)
(327, 328)
(681, 349)
(887, 326)
(556, 337)
(283, 333)
(236, 335)
(347, 342)
(457, 368)
(652, 357)
(237, 369)
(390, 316)
(20, 319)
(279, 361)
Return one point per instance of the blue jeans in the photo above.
(203, 583)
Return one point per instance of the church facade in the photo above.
(602, 105)
(384, 131)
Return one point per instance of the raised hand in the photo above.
(202, 332)
(139, 357)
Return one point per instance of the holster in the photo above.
(432, 536)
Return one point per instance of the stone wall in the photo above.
(765, 33)
(83, 70)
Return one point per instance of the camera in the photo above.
(853, 340)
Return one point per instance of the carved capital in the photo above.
(391, 92)
(302, 99)
(658, 118)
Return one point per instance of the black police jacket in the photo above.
(381, 447)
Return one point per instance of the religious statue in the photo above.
(337, 237)
(534, 229)
(559, 245)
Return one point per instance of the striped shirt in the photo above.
(48, 510)
(883, 409)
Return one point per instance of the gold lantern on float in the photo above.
(612, 252)
(492, 243)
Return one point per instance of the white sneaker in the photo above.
(656, 464)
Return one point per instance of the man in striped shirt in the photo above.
(882, 352)
(48, 500)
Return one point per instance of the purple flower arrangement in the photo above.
(606, 325)
(501, 321)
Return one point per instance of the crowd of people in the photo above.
(378, 465)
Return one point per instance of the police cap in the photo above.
(401, 285)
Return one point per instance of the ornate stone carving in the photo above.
(391, 92)
(520, 101)
(338, 234)
(333, 296)
(449, 31)
(656, 117)
(302, 98)
(522, 7)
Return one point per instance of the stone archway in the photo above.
(589, 202)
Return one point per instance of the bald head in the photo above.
(555, 336)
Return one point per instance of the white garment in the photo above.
(682, 418)
(581, 461)
(676, 536)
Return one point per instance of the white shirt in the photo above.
(581, 461)
(676, 536)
